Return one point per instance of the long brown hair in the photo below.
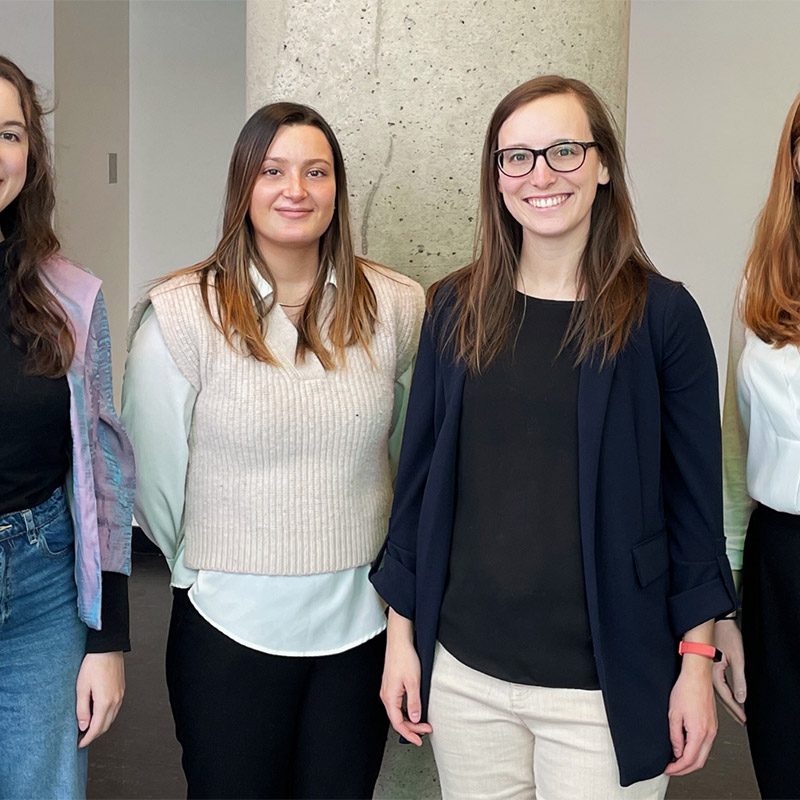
(38, 322)
(772, 274)
(612, 275)
(240, 311)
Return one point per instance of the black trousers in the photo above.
(771, 633)
(258, 725)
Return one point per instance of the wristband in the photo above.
(699, 649)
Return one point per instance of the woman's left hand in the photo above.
(100, 688)
(729, 679)
(692, 716)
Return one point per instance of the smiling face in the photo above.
(13, 145)
(550, 205)
(294, 195)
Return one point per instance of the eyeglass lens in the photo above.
(562, 157)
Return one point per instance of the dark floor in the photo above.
(139, 757)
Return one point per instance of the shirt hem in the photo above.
(289, 653)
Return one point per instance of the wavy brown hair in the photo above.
(771, 306)
(38, 322)
(612, 274)
(241, 313)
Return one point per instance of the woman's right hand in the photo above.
(401, 679)
(728, 674)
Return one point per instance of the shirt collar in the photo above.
(264, 289)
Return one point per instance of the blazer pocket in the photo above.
(651, 558)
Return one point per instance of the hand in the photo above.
(100, 688)
(728, 674)
(692, 716)
(401, 679)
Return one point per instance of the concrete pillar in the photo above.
(408, 86)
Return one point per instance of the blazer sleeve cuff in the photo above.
(702, 603)
(394, 583)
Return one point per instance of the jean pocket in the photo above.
(56, 538)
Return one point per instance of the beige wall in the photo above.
(91, 121)
(409, 86)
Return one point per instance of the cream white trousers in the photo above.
(496, 740)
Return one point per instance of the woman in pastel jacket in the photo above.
(66, 482)
(262, 390)
(556, 533)
(761, 438)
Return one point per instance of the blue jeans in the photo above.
(42, 644)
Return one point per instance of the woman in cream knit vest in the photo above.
(264, 393)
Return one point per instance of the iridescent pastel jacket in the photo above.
(100, 484)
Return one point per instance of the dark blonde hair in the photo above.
(38, 322)
(772, 275)
(612, 275)
(240, 311)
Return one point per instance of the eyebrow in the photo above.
(307, 161)
(562, 140)
(13, 123)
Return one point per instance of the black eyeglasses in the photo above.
(562, 157)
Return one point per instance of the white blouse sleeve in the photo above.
(157, 407)
(402, 387)
(735, 425)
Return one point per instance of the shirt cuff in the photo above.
(115, 633)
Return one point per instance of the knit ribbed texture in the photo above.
(288, 470)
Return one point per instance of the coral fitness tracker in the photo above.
(698, 649)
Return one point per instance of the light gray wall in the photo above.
(187, 104)
(26, 37)
(171, 73)
(409, 87)
(710, 83)
(91, 121)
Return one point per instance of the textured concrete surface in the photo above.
(409, 85)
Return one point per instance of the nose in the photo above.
(295, 187)
(541, 175)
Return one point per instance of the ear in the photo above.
(602, 174)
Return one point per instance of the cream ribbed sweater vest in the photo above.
(288, 468)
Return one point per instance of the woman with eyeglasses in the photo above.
(556, 535)
(761, 439)
(264, 392)
(66, 482)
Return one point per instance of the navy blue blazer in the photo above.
(650, 495)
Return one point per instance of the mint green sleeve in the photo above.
(157, 408)
(735, 423)
(408, 341)
(401, 389)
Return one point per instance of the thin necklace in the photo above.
(292, 305)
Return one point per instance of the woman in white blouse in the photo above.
(762, 475)
(263, 391)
